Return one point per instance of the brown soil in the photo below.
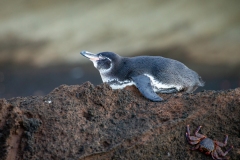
(95, 122)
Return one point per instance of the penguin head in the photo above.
(103, 61)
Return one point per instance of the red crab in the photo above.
(207, 145)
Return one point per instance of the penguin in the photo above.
(150, 74)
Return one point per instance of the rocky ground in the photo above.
(95, 122)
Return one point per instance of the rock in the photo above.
(95, 122)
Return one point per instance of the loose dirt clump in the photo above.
(95, 122)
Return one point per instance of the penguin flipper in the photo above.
(143, 84)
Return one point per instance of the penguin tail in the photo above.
(202, 83)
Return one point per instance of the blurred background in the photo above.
(40, 41)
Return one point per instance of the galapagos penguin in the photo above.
(150, 74)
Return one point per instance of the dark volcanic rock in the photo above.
(88, 122)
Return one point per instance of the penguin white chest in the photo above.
(121, 84)
(115, 83)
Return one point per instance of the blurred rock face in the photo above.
(44, 33)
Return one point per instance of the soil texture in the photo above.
(95, 122)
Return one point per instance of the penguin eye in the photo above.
(101, 57)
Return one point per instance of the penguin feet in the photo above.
(168, 90)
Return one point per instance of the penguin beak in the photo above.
(90, 56)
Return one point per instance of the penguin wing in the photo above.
(143, 84)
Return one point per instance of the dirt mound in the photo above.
(95, 122)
